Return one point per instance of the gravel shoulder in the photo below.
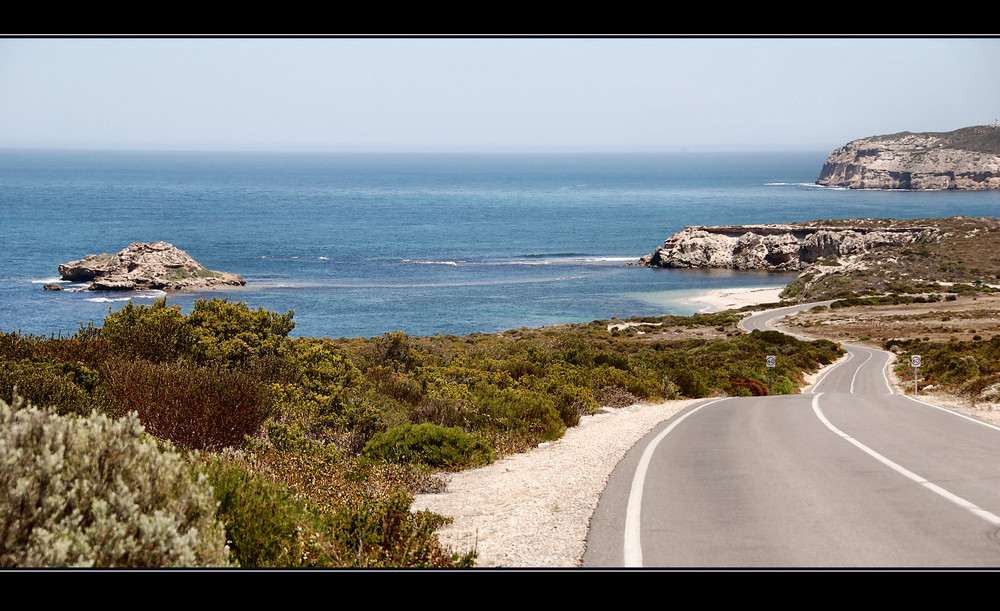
(533, 510)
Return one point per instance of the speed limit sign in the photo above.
(915, 360)
(771, 360)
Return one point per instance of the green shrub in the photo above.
(154, 332)
(430, 444)
(233, 334)
(394, 351)
(92, 492)
(532, 415)
(783, 386)
(216, 331)
(387, 534)
(265, 524)
(291, 438)
(67, 387)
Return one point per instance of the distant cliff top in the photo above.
(963, 159)
(978, 138)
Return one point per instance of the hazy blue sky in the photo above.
(487, 94)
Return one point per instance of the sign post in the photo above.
(915, 363)
(770, 360)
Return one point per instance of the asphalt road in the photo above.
(849, 475)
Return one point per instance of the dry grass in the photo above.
(965, 318)
(961, 250)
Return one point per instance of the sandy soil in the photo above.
(731, 299)
(533, 510)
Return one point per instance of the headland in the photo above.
(963, 159)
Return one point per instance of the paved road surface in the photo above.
(848, 475)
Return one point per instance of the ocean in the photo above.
(365, 244)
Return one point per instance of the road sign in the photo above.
(771, 360)
(915, 360)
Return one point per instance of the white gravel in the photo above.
(533, 510)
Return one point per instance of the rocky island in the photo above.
(964, 159)
(144, 266)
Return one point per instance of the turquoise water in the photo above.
(359, 245)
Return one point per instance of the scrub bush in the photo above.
(387, 534)
(216, 331)
(746, 386)
(266, 526)
(92, 492)
(233, 334)
(527, 414)
(67, 386)
(155, 333)
(430, 444)
(204, 408)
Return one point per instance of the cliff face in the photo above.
(965, 159)
(841, 258)
(145, 265)
(776, 247)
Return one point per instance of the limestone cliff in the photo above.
(842, 258)
(964, 159)
(145, 265)
(788, 247)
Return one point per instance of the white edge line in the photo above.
(957, 500)
(953, 412)
(632, 549)
(885, 371)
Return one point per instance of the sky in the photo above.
(483, 94)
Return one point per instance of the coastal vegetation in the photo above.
(976, 138)
(215, 438)
(313, 448)
(969, 369)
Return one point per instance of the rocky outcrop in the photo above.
(964, 159)
(145, 265)
(789, 247)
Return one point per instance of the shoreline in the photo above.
(717, 300)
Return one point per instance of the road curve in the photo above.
(849, 474)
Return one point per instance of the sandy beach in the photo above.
(728, 299)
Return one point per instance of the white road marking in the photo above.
(858, 370)
(953, 412)
(632, 556)
(632, 548)
(993, 519)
